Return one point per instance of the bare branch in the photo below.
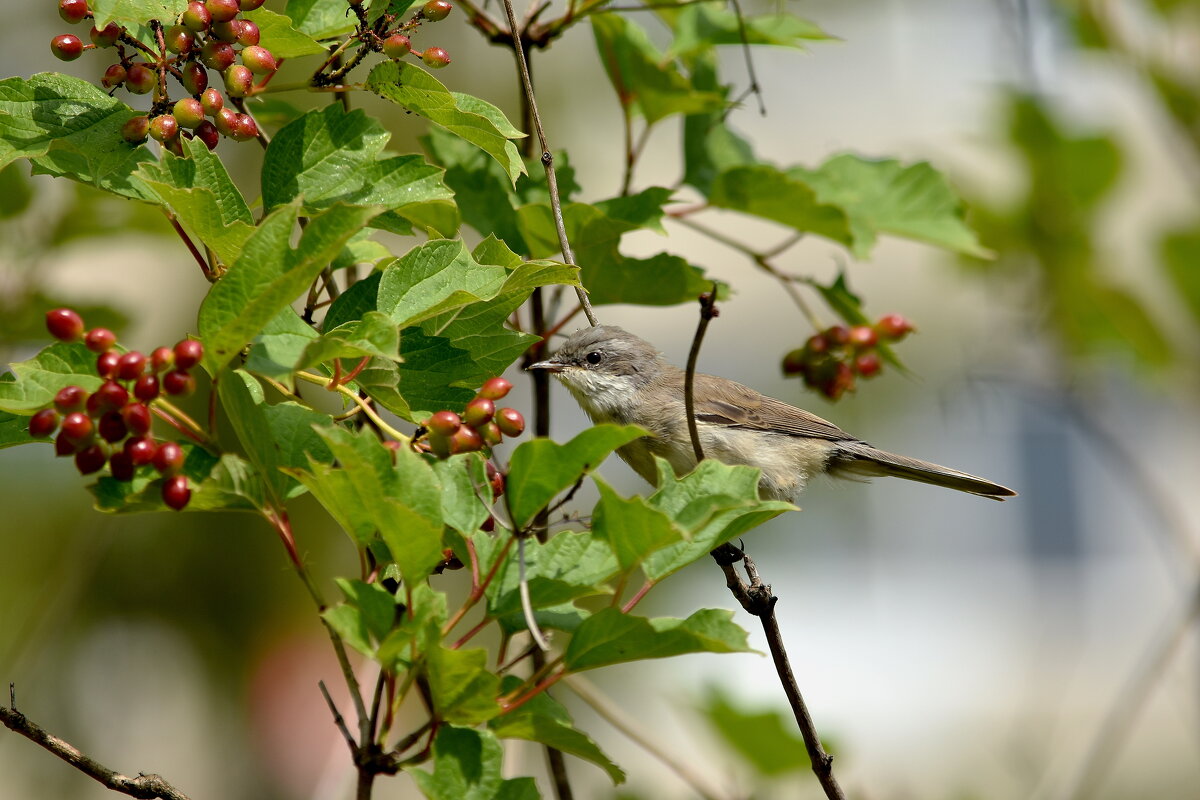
(708, 310)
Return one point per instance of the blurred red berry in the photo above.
(44, 423)
(99, 340)
(175, 492)
(64, 324)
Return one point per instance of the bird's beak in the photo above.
(549, 366)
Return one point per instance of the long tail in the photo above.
(859, 458)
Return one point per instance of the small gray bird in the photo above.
(617, 377)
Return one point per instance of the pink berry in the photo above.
(893, 327)
(397, 46)
(164, 127)
(196, 17)
(863, 336)
(208, 133)
(250, 5)
(244, 128)
(195, 77)
(98, 340)
(140, 79)
(248, 33)
(466, 440)
(113, 77)
(436, 10)
(239, 80)
(867, 363)
(188, 112)
(162, 358)
(260, 60)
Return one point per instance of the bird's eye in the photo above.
(593, 357)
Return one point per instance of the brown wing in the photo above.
(724, 402)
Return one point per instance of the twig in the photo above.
(209, 274)
(547, 157)
(611, 713)
(758, 600)
(754, 86)
(708, 310)
(526, 604)
(143, 786)
(339, 720)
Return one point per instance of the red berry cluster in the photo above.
(112, 424)
(833, 359)
(481, 425)
(395, 42)
(204, 37)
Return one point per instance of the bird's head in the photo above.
(604, 367)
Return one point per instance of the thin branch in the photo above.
(650, 742)
(708, 310)
(339, 720)
(143, 786)
(205, 267)
(547, 157)
(526, 604)
(754, 88)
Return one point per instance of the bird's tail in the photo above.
(860, 459)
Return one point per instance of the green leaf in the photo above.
(426, 379)
(227, 483)
(700, 26)
(463, 479)
(14, 429)
(372, 336)
(270, 274)
(321, 19)
(461, 687)
(472, 119)
(715, 503)
(766, 739)
(16, 193)
(435, 277)
(1181, 258)
(277, 35)
(543, 719)
(611, 637)
(633, 528)
(643, 79)
(367, 616)
(279, 347)
(394, 7)
(482, 189)
(203, 196)
(467, 765)
(36, 381)
(69, 128)
(540, 469)
(767, 192)
(330, 156)
(565, 568)
(709, 145)
(884, 196)
(135, 12)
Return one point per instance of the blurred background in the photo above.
(948, 647)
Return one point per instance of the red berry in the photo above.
(64, 324)
(121, 466)
(112, 427)
(479, 411)
(226, 31)
(250, 5)
(489, 524)
(239, 80)
(131, 365)
(495, 388)
(168, 458)
(175, 492)
(99, 340)
(179, 39)
(443, 423)
(496, 479)
(196, 17)
(867, 363)
(146, 388)
(188, 353)
(70, 398)
(106, 364)
(164, 127)
(893, 327)
(260, 60)
(510, 421)
(141, 450)
(816, 344)
(225, 121)
(188, 112)
(222, 10)
(106, 36)
(491, 433)
(244, 128)
(73, 11)
(178, 382)
(435, 58)
(248, 33)
(44, 423)
(841, 382)
(397, 46)
(837, 335)
(140, 79)
(162, 358)
(436, 10)
(90, 459)
(207, 133)
(77, 427)
(136, 129)
(195, 77)
(136, 417)
(66, 47)
(113, 77)
(212, 102)
(63, 446)
(863, 336)
(217, 55)
(466, 440)
(110, 395)
(793, 362)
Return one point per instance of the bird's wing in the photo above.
(732, 404)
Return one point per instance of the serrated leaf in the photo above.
(321, 19)
(474, 120)
(426, 380)
(463, 479)
(643, 78)
(367, 616)
(633, 528)
(565, 568)
(710, 146)
(14, 430)
(16, 193)
(611, 637)
(279, 347)
(270, 274)
(467, 765)
(227, 483)
(884, 196)
(69, 128)
(277, 35)
(767, 192)
(461, 686)
(700, 26)
(37, 380)
(330, 156)
(135, 12)
(202, 195)
(372, 336)
(543, 719)
(540, 469)
(433, 278)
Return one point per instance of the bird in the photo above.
(617, 377)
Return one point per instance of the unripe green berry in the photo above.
(179, 39)
(225, 120)
(188, 112)
(397, 46)
(196, 17)
(164, 127)
(260, 60)
(211, 101)
(238, 80)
